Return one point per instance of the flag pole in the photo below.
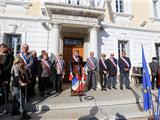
(152, 104)
(150, 115)
(147, 86)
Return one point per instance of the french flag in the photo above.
(71, 76)
(78, 85)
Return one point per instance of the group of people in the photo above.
(25, 68)
(108, 71)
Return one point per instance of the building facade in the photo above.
(101, 26)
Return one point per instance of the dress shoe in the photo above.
(109, 88)
(114, 88)
(129, 88)
(121, 88)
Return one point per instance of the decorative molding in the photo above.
(154, 19)
(2, 7)
(127, 16)
(25, 4)
(130, 28)
(24, 17)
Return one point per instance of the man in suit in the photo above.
(60, 67)
(92, 64)
(112, 70)
(125, 66)
(28, 60)
(154, 71)
(76, 59)
(103, 72)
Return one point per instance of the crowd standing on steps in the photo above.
(27, 69)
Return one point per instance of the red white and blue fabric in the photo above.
(59, 65)
(46, 64)
(103, 64)
(113, 62)
(25, 59)
(78, 85)
(75, 59)
(91, 62)
(125, 62)
(71, 76)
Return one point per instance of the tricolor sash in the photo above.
(76, 59)
(59, 64)
(91, 62)
(103, 64)
(113, 62)
(46, 64)
(25, 59)
(125, 62)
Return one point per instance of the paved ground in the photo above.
(105, 105)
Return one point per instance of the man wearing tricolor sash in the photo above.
(26, 56)
(112, 70)
(76, 59)
(125, 66)
(28, 61)
(103, 70)
(76, 73)
(92, 64)
(60, 68)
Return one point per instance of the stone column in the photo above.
(93, 45)
(54, 41)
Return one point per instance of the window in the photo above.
(119, 6)
(122, 46)
(69, 1)
(78, 2)
(155, 8)
(92, 3)
(13, 41)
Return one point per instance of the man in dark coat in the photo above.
(112, 70)
(7, 61)
(125, 66)
(154, 71)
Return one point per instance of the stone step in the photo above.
(92, 98)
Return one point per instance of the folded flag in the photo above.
(146, 85)
(78, 85)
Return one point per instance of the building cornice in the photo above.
(130, 28)
(24, 17)
(154, 19)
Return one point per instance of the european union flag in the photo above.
(146, 85)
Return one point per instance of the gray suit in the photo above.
(92, 70)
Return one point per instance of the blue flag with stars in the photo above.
(146, 85)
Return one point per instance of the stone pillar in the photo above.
(93, 45)
(54, 41)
